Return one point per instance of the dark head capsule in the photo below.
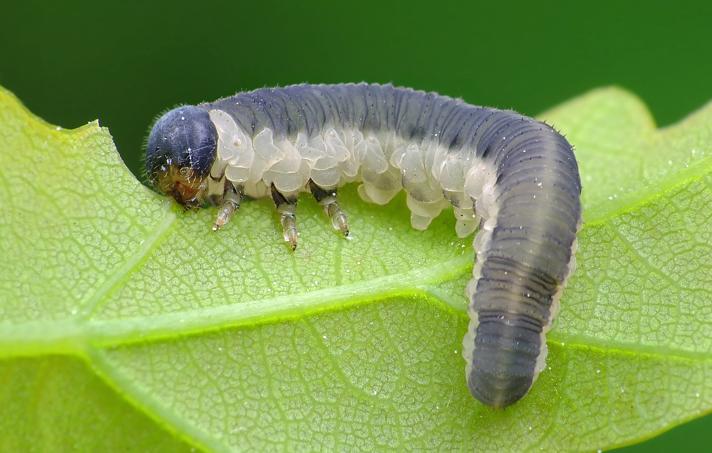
(181, 150)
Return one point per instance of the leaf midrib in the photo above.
(74, 335)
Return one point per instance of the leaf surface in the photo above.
(126, 323)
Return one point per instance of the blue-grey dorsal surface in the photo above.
(513, 179)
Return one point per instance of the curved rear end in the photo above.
(525, 256)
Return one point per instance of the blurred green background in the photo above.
(74, 61)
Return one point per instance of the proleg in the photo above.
(511, 177)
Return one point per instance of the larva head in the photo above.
(181, 149)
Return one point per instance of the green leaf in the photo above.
(125, 323)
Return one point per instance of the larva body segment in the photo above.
(514, 177)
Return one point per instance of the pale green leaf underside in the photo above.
(126, 323)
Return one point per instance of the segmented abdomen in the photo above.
(514, 177)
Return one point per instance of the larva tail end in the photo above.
(498, 392)
(504, 358)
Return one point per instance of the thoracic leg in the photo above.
(287, 207)
(327, 199)
(230, 204)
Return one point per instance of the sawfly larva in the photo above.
(514, 178)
